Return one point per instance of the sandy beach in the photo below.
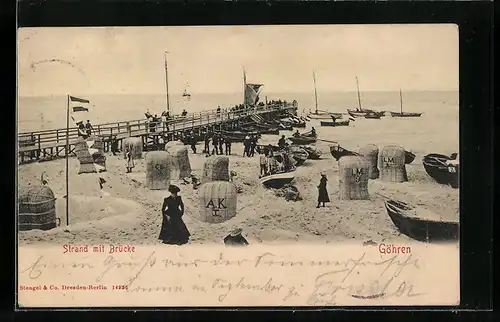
(131, 213)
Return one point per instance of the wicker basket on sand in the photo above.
(37, 208)
(218, 201)
(216, 168)
(353, 178)
(181, 167)
(370, 153)
(391, 162)
(133, 144)
(158, 167)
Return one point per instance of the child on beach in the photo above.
(129, 160)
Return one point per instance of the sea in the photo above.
(49, 112)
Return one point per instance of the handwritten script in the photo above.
(224, 276)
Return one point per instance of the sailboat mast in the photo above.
(359, 97)
(401, 100)
(166, 82)
(244, 88)
(315, 92)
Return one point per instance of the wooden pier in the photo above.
(51, 144)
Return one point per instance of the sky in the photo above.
(130, 60)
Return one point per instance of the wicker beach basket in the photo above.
(216, 168)
(133, 144)
(391, 162)
(353, 178)
(158, 167)
(181, 167)
(218, 200)
(37, 208)
(173, 143)
(370, 153)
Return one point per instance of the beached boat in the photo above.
(338, 152)
(299, 154)
(441, 169)
(401, 113)
(429, 228)
(409, 157)
(333, 123)
(302, 140)
(313, 153)
(278, 180)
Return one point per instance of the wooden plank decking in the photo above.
(35, 144)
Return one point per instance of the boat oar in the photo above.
(327, 141)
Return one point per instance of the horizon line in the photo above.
(272, 92)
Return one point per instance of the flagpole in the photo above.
(315, 93)
(67, 160)
(244, 89)
(359, 97)
(166, 83)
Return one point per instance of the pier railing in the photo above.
(57, 137)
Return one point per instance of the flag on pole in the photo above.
(78, 105)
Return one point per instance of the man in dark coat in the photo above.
(215, 142)
(253, 145)
(235, 238)
(89, 128)
(227, 141)
(221, 143)
(246, 144)
(206, 150)
(281, 142)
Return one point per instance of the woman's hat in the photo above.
(323, 173)
(236, 232)
(173, 189)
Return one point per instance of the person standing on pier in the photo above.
(253, 145)
(206, 149)
(89, 128)
(227, 140)
(129, 160)
(221, 143)
(215, 142)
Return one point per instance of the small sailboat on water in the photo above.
(186, 95)
(401, 113)
(318, 114)
(361, 112)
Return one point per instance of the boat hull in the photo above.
(324, 116)
(326, 123)
(409, 157)
(302, 140)
(421, 229)
(405, 114)
(278, 180)
(442, 173)
(338, 152)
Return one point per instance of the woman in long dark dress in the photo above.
(173, 229)
(322, 192)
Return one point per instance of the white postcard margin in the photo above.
(337, 274)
